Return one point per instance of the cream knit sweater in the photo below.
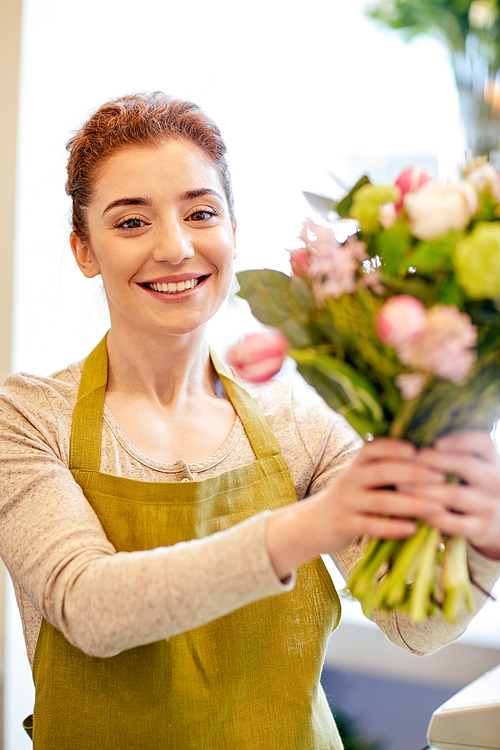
(65, 570)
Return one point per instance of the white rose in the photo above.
(436, 209)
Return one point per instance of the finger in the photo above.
(390, 503)
(477, 442)
(475, 471)
(456, 524)
(460, 498)
(387, 448)
(390, 473)
(385, 528)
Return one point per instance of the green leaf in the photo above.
(345, 204)
(323, 205)
(280, 301)
(489, 340)
(391, 245)
(434, 255)
(445, 407)
(328, 389)
(360, 393)
(451, 293)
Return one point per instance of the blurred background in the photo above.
(300, 91)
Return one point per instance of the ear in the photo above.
(84, 257)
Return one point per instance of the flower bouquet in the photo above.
(398, 329)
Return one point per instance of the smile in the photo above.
(174, 287)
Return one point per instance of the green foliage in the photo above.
(476, 259)
(345, 204)
(446, 18)
(366, 204)
(446, 407)
(392, 247)
(281, 301)
(326, 207)
(334, 341)
(449, 20)
(331, 320)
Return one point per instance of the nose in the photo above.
(173, 243)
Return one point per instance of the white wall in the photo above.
(297, 88)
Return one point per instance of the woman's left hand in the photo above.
(471, 510)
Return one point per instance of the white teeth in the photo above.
(172, 287)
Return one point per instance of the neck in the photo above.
(168, 369)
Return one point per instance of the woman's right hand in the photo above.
(370, 497)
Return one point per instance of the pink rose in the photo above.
(299, 260)
(400, 319)
(259, 356)
(409, 181)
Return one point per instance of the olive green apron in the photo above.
(246, 681)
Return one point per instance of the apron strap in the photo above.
(86, 429)
(256, 426)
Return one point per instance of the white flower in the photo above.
(486, 177)
(436, 209)
(387, 215)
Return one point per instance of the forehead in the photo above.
(174, 166)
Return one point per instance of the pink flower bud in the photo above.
(259, 356)
(299, 260)
(400, 319)
(409, 181)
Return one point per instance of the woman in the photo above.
(149, 520)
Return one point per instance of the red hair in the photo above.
(139, 119)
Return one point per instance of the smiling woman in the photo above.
(158, 217)
(149, 514)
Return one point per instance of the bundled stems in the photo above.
(418, 576)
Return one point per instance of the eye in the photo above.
(202, 214)
(133, 223)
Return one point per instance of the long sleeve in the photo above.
(59, 557)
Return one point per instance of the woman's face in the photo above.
(160, 237)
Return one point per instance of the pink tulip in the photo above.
(409, 181)
(259, 356)
(402, 318)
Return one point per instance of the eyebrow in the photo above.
(188, 195)
(127, 202)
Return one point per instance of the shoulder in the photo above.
(32, 405)
(26, 390)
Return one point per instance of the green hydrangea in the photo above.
(477, 261)
(367, 202)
